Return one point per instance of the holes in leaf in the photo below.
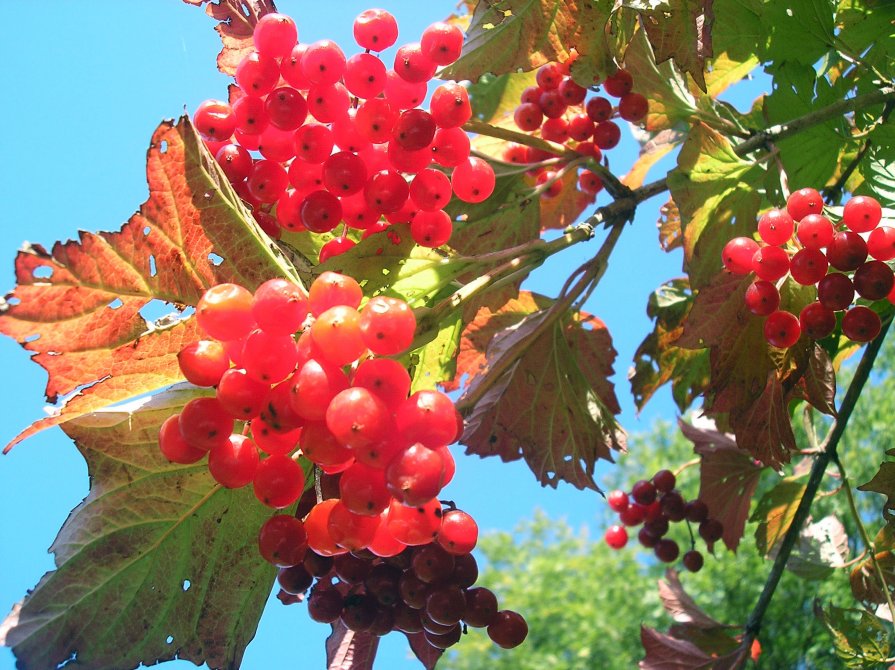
(42, 272)
(146, 231)
(186, 585)
(116, 303)
(154, 310)
(71, 659)
(152, 269)
(32, 338)
(215, 259)
(169, 639)
(13, 301)
(163, 147)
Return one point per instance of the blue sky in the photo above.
(87, 84)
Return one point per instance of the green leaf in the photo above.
(554, 404)
(861, 643)
(512, 35)
(775, 513)
(738, 30)
(163, 556)
(718, 198)
(810, 20)
(436, 361)
(812, 156)
(822, 547)
(878, 169)
(658, 360)
(670, 102)
(496, 96)
(391, 263)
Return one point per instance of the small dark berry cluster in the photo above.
(311, 139)
(841, 259)
(654, 504)
(426, 589)
(556, 109)
(293, 398)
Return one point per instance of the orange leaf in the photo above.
(78, 307)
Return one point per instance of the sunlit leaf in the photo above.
(553, 405)
(775, 513)
(861, 643)
(236, 21)
(681, 30)
(150, 553)
(78, 306)
(717, 195)
(513, 35)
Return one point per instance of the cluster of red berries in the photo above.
(556, 108)
(427, 589)
(293, 398)
(311, 139)
(841, 260)
(654, 503)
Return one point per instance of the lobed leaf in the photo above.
(78, 307)
(158, 562)
(728, 477)
(513, 35)
(664, 652)
(350, 650)
(553, 403)
(236, 23)
(860, 644)
(775, 513)
(717, 194)
(680, 30)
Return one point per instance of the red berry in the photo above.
(803, 202)
(233, 463)
(881, 243)
(815, 231)
(808, 266)
(664, 480)
(873, 280)
(174, 447)
(770, 263)
(619, 84)
(776, 227)
(693, 561)
(861, 324)
(667, 550)
(442, 43)
(737, 255)
(762, 298)
(633, 107)
(643, 492)
(375, 29)
(862, 214)
(283, 540)
(836, 291)
(618, 501)
(508, 629)
(817, 320)
(782, 329)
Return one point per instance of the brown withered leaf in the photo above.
(865, 584)
(669, 225)
(236, 22)
(775, 513)
(77, 307)
(681, 30)
(553, 405)
(728, 476)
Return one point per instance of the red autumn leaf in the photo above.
(728, 476)
(664, 652)
(348, 650)
(424, 652)
(682, 608)
(551, 401)
(77, 307)
(751, 381)
(236, 22)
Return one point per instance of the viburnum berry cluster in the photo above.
(556, 110)
(311, 138)
(656, 503)
(334, 398)
(844, 258)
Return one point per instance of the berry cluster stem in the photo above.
(826, 454)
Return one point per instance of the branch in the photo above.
(762, 138)
(827, 453)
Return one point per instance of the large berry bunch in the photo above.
(311, 138)
(654, 503)
(560, 111)
(844, 258)
(333, 398)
